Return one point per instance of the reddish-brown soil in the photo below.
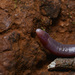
(21, 53)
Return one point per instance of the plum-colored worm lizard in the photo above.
(56, 48)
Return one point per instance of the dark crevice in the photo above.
(5, 50)
(5, 31)
(56, 20)
(13, 27)
(62, 69)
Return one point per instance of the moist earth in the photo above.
(21, 53)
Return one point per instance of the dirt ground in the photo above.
(21, 52)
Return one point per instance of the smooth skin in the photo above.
(55, 47)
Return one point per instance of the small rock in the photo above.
(50, 8)
(5, 21)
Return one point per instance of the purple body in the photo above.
(54, 46)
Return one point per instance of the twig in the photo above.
(62, 63)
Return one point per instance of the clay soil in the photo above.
(21, 52)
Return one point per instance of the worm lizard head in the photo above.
(43, 36)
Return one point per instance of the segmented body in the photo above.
(54, 46)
